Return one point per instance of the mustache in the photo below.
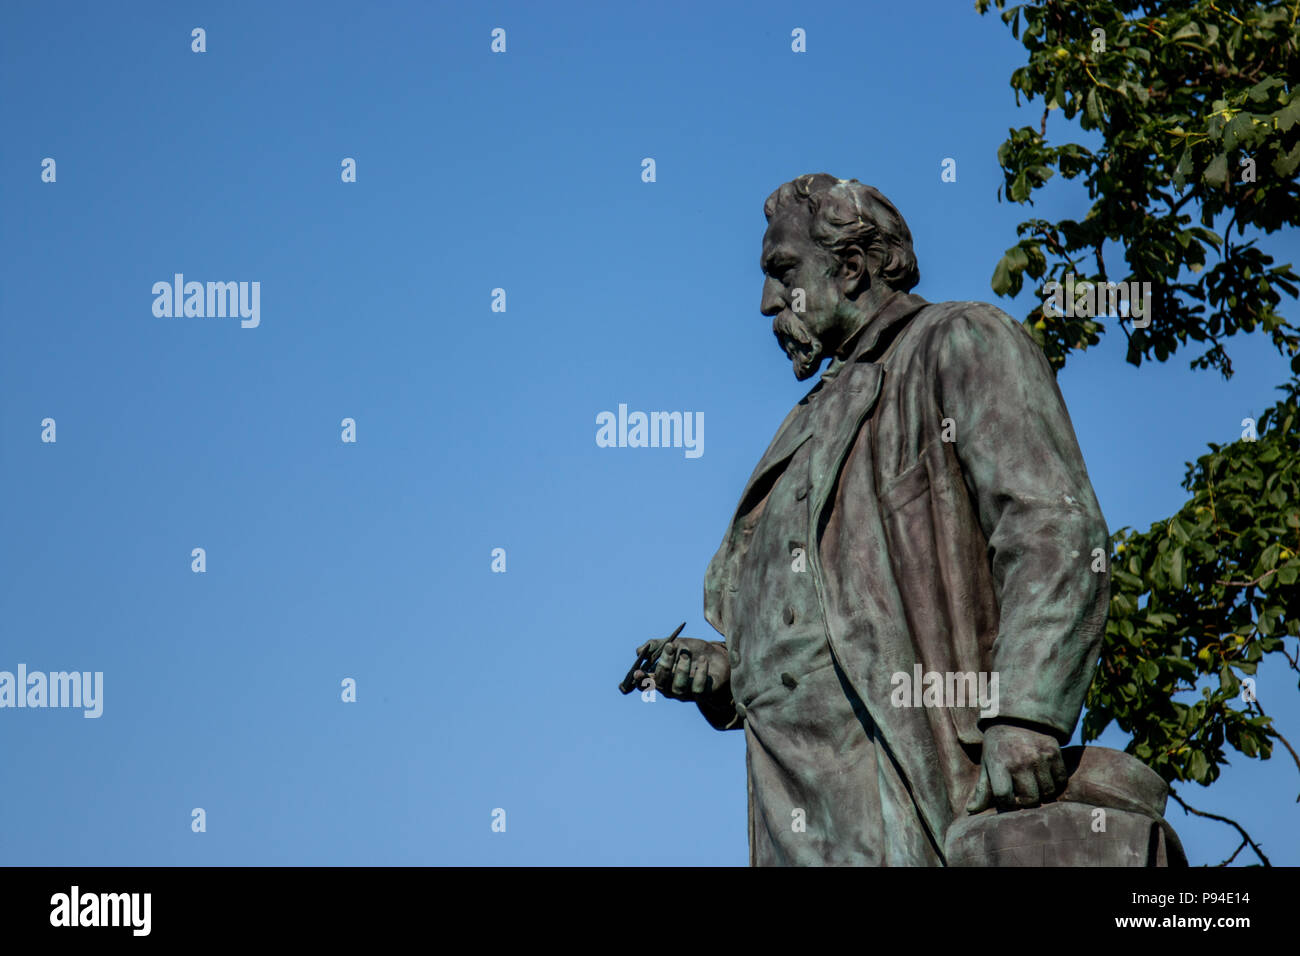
(789, 325)
(799, 342)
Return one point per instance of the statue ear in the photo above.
(856, 269)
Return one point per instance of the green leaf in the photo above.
(1092, 109)
(1238, 127)
(1268, 560)
(1001, 277)
(1216, 174)
(1288, 115)
(1286, 165)
(1178, 532)
(1019, 190)
(1176, 569)
(1260, 91)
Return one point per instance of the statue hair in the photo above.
(848, 213)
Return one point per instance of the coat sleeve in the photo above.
(721, 714)
(1038, 512)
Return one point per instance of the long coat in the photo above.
(951, 525)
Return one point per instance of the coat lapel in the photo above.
(852, 397)
(794, 431)
(840, 417)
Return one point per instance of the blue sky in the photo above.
(475, 429)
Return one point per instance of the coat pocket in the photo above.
(906, 486)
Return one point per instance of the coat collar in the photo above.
(880, 329)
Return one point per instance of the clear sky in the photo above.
(475, 429)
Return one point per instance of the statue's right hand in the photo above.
(687, 669)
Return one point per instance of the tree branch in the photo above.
(1214, 816)
(1274, 732)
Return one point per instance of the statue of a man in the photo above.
(922, 524)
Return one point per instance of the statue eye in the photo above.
(782, 270)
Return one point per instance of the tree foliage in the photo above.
(1199, 599)
(1191, 100)
(1196, 109)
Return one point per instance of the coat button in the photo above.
(802, 493)
(788, 680)
(740, 709)
(788, 615)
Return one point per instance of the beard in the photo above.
(804, 348)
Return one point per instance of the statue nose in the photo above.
(772, 302)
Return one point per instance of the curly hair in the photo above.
(848, 213)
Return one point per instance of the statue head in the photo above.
(834, 250)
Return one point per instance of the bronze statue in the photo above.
(913, 590)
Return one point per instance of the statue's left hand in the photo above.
(1021, 768)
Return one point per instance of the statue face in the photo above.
(807, 330)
